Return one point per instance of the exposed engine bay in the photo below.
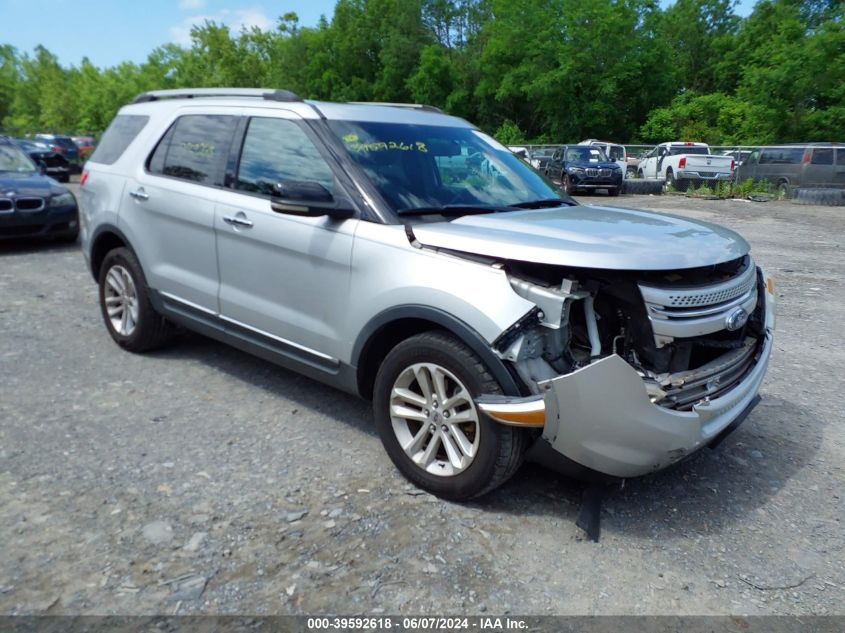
(691, 334)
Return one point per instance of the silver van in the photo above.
(405, 256)
(788, 167)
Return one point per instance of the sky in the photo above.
(111, 31)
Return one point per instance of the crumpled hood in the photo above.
(590, 237)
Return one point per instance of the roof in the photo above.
(274, 99)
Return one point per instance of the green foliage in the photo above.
(509, 133)
(526, 70)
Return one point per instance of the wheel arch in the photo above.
(387, 329)
(106, 238)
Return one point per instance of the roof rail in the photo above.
(192, 93)
(415, 106)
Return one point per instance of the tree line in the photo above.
(539, 71)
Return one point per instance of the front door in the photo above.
(282, 276)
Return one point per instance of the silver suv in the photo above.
(405, 256)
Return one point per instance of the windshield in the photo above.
(13, 159)
(432, 166)
(584, 154)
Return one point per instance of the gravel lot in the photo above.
(202, 480)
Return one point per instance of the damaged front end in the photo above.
(629, 372)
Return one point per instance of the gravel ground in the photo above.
(202, 480)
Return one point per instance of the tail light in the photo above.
(83, 178)
(806, 158)
(58, 149)
(733, 165)
(682, 162)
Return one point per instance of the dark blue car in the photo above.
(584, 167)
(31, 203)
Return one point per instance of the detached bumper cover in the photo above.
(601, 417)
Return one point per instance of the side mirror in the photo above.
(42, 168)
(311, 199)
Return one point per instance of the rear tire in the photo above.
(129, 316)
(417, 403)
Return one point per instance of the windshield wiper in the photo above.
(452, 209)
(543, 203)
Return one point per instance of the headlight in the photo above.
(62, 200)
(575, 170)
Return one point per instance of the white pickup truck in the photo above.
(682, 163)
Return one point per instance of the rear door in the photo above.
(818, 172)
(282, 276)
(168, 206)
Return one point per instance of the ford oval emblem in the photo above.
(736, 319)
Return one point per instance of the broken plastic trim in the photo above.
(527, 412)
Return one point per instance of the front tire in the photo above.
(130, 318)
(568, 186)
(430, 426)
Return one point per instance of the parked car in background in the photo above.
(63, 145)
(788, 167)
(484, 318)
(540, 156)
(55, 165)
(613, 151)
(739, 155)
(521, 152)
(31, 203)
(683, 163)
(584, 168)
(86, 145)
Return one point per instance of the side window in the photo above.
(840, 156)
(275, 150)
(195, 148)
(117, 137)
(822, 157)
(617, 152)
(754, 157)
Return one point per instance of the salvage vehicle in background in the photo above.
(31, 203)
(613, 151)
(488, 318)
(86, 145)
(63, 145)
(788, 167)
(681, 164)
(55, 165)
(540, 156)
(584, 168)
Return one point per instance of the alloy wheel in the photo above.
(434, 419)
(121, 298)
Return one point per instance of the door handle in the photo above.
(139, 194)
(239, 220)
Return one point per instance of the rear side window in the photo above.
(195, 148)
(822, 157)
(120, 133)
(782, 156)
